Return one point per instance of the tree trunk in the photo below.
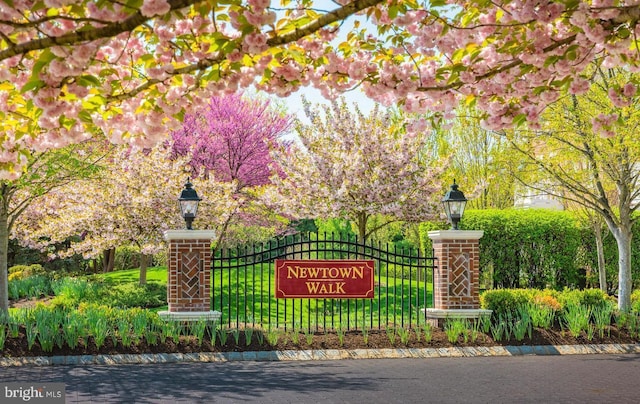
(4, 271)
(602, 270)
(362, 219)
(144, 260)
(623, 236)
(108, 260)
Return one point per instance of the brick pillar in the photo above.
(456, 289)
(189, 274)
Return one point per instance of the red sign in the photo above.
(324, 279)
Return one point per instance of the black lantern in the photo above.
(454, 203)
(189, 200)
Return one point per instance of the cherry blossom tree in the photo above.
(46, 173)
(353, 166)
(133, 202)
(230, 138)
(587, 153)
(131, 68)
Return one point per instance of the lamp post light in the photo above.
(454, 203)
(188, 201)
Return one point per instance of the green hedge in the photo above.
(540, 248)
(530, 248)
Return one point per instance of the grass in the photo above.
(154, 274)
(252, 302)
(396, 301)
(116, 289)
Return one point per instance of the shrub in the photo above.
(18, 272)
(547, 301)
(635, 301)
(504, 302)
(594, 298)
(532, 248)
(545, 305)
(70, 292)
(127, 257)
(588, 297)
(134, 295)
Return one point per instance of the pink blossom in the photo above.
(151, 8)
(156, 72)
(269, 18)
(629, 90)
(259, 5)
(357, 70)
(549, 96)
(234, 56)
(617, 99)
(579, 86)
(253, 18)
(10, 175)
(255, 43)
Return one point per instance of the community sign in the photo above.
(351, 279)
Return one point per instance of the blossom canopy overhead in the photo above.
(130, 70)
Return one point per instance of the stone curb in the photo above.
(329, 354)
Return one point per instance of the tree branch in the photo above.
(329, 18)
(107, 31)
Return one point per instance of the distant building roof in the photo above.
(537, 201)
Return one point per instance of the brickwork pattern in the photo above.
(456, 278)
(190, 275)
(460, 276)
(189, 267)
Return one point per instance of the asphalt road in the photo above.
(519, 379)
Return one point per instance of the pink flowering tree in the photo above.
(132, 68)
(357, 167)
(230, 139)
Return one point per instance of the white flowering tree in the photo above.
(132, 202)
(46, 173)
(353, 166)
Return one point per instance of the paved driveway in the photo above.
(520, 379)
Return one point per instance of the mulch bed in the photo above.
(17, 347)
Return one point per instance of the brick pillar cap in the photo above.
(455, 234)
(189, 235)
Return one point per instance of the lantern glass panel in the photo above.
(189, 207)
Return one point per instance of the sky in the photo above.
(294, 101)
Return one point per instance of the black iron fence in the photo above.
(243, 285)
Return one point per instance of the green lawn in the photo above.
(154, 274)
(246, 295)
